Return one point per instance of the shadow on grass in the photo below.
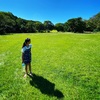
(45, 86)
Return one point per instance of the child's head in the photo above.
(26, 42)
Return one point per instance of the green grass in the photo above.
(65, 66)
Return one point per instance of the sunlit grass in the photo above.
(69, 61)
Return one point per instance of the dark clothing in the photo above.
(27, 56)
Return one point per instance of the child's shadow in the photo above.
(45, 86)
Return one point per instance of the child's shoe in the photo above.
(25, 75)
(31, 74)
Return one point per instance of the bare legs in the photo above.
(30, 67)
(26, 69)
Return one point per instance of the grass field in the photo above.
(65, 66)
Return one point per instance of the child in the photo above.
(26, 55)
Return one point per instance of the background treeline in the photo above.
(10, 23)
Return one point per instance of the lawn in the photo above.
(65, 66)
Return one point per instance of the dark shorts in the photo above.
(27, 62)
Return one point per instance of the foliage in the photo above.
(59, 27)
(96, 21)
(12, 24)
(90, 26)
(7, 22)
(48, 25)
(75, 25)
(39, 26)
(30, 27)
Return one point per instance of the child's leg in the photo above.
(30, 67)
(26, 69)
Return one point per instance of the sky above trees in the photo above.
(53, 10)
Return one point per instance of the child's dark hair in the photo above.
(26, 40)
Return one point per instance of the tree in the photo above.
(59, 27)
(21, 25)
(39, 26)
(66, 27)
(48, 25)
(90, 26)
(30, 27)
(95, 20)
(12, 24)
(2, 23)
(7, 22)
(76, 25)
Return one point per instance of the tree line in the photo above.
(10, 23)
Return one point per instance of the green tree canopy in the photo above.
(12, 24)
(7, 22)
(48, 25)
(59, 27)
(39, 26)
(76, 25)
(95, 20)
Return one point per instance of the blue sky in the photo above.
(54, 10)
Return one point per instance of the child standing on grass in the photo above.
(26, 55)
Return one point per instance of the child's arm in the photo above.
(22, 50)
(22, 57)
